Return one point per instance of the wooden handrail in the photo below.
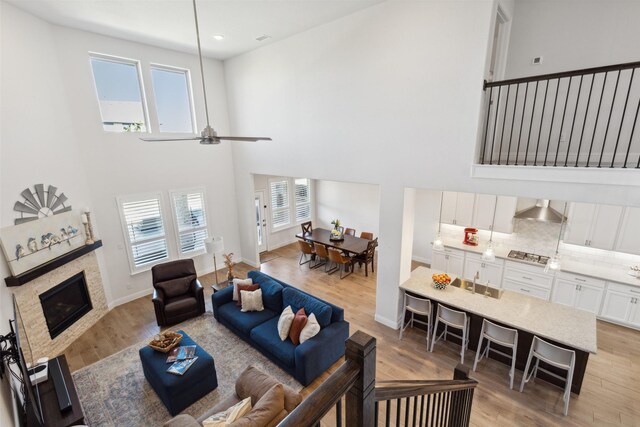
(386, 390)
(562, 74)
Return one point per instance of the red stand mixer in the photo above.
(471, 236)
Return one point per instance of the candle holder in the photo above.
(88, 232)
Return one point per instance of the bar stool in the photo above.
(419, 306)
(554, 356)
(455, 319)
(500, 335)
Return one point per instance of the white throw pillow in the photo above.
(237, 282)
(310, 329)
(284, 323)
(232, 414)
(252, 300)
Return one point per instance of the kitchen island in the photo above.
(564, 326)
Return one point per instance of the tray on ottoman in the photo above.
(179, 391)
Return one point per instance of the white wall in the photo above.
(355, 205)
(427, 211)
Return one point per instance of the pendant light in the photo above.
(553, 263)
(438, 245)
(489, 253)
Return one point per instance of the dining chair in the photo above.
(366, 235)
(322, 256)
(306, 252)
(341, 261)
(307, 228)
(367, 257)
(350, 231)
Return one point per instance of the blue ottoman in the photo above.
(179, 391)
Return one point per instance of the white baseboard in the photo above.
(386, 322)
(113, 304)
(281, 245)
(421, 259)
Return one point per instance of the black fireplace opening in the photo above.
(65, 303)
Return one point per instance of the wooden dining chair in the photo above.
(342, 262)
(307, 228)
(350, 232)
(366, 235)
(322, 256)
(367, 257)
(307, 253)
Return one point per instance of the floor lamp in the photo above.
(214, 245)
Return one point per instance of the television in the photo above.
(26, 394)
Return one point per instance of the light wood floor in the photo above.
(610, 393)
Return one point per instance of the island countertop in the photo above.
(569, 326)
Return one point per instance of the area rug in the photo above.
(114, 392)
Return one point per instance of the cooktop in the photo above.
(529, 257)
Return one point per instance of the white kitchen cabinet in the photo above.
(589, 298)
(457, 208)
(629, 235)
(450, 261)
(634, 314)
(526, 289)
(484, 208)
(593, 225)
(564, 292)
(490, 272)
(527, 279)
(581, 292)
(439, 261)
(621, 304)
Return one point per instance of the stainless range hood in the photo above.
(540, 212)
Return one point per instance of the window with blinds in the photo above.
(144, 230)
(303, 199)
(280, 210)
(190, 220)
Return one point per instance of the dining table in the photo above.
(350, 244)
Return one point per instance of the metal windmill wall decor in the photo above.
(40, 203)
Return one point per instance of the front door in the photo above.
(261, 221)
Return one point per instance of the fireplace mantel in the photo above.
(32, 274)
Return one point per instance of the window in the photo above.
(280, 214)
(190, 220)
(119, 91)
(172, 90)
(303, 199)
(144, 230)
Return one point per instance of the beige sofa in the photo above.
(251, 383)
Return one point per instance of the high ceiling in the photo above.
(170, 24)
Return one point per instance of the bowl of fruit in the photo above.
(440, 281)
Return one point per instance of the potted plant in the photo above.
(337, 232)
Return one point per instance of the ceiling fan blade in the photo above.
(170, 139)
(244, 138)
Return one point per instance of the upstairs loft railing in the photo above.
(351, 397)
(582, 118)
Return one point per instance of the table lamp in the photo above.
(214, 245)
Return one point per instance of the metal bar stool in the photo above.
(419, 306)
(554, 356)
(454, 319)
(500, 335)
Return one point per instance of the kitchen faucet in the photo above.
(473, 285)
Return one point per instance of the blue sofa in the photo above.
(305, 362)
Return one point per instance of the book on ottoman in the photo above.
(179, 368)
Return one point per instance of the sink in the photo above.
(487, 291)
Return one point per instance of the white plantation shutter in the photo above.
(191, 219)
(144, 229)
(303, 199)
(280, 210)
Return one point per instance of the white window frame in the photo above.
(192, 108)
(128, 244)
(176, 228)
(296, 204)
(143, 95)
(293, 221)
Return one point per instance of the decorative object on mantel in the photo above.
(214, 245)
(40, 203)
(33, 243)
(338, 232)
(634, 271)
(88, 230)
(228, 262)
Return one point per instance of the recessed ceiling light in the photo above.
(219, 37)
(263, 37)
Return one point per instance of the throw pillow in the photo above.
(255, 383)
(237, 282)
(230, 415)
(311, 328)
(267, 408)
(284, 323)
(245, 288)
(296, 327)
(251, 300)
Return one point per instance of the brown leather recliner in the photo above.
(177, 295)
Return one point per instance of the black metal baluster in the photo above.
(513, 119)
(586, 114)
(533, 109)
(415, 409)
(495, 126)
(504, 121)
(524, 106)
(426, 415)
(375, 415)
(564, 112)
(421, 410)
(606, 132)
(339, 413)
(544, 104)
(633, 129)
(436, 397)
(387, 416)
(595, 126)
(573, 123)
(553, 115)
(624, 112)
(486, 128)
(398, 404)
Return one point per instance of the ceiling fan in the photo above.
(208, 136)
